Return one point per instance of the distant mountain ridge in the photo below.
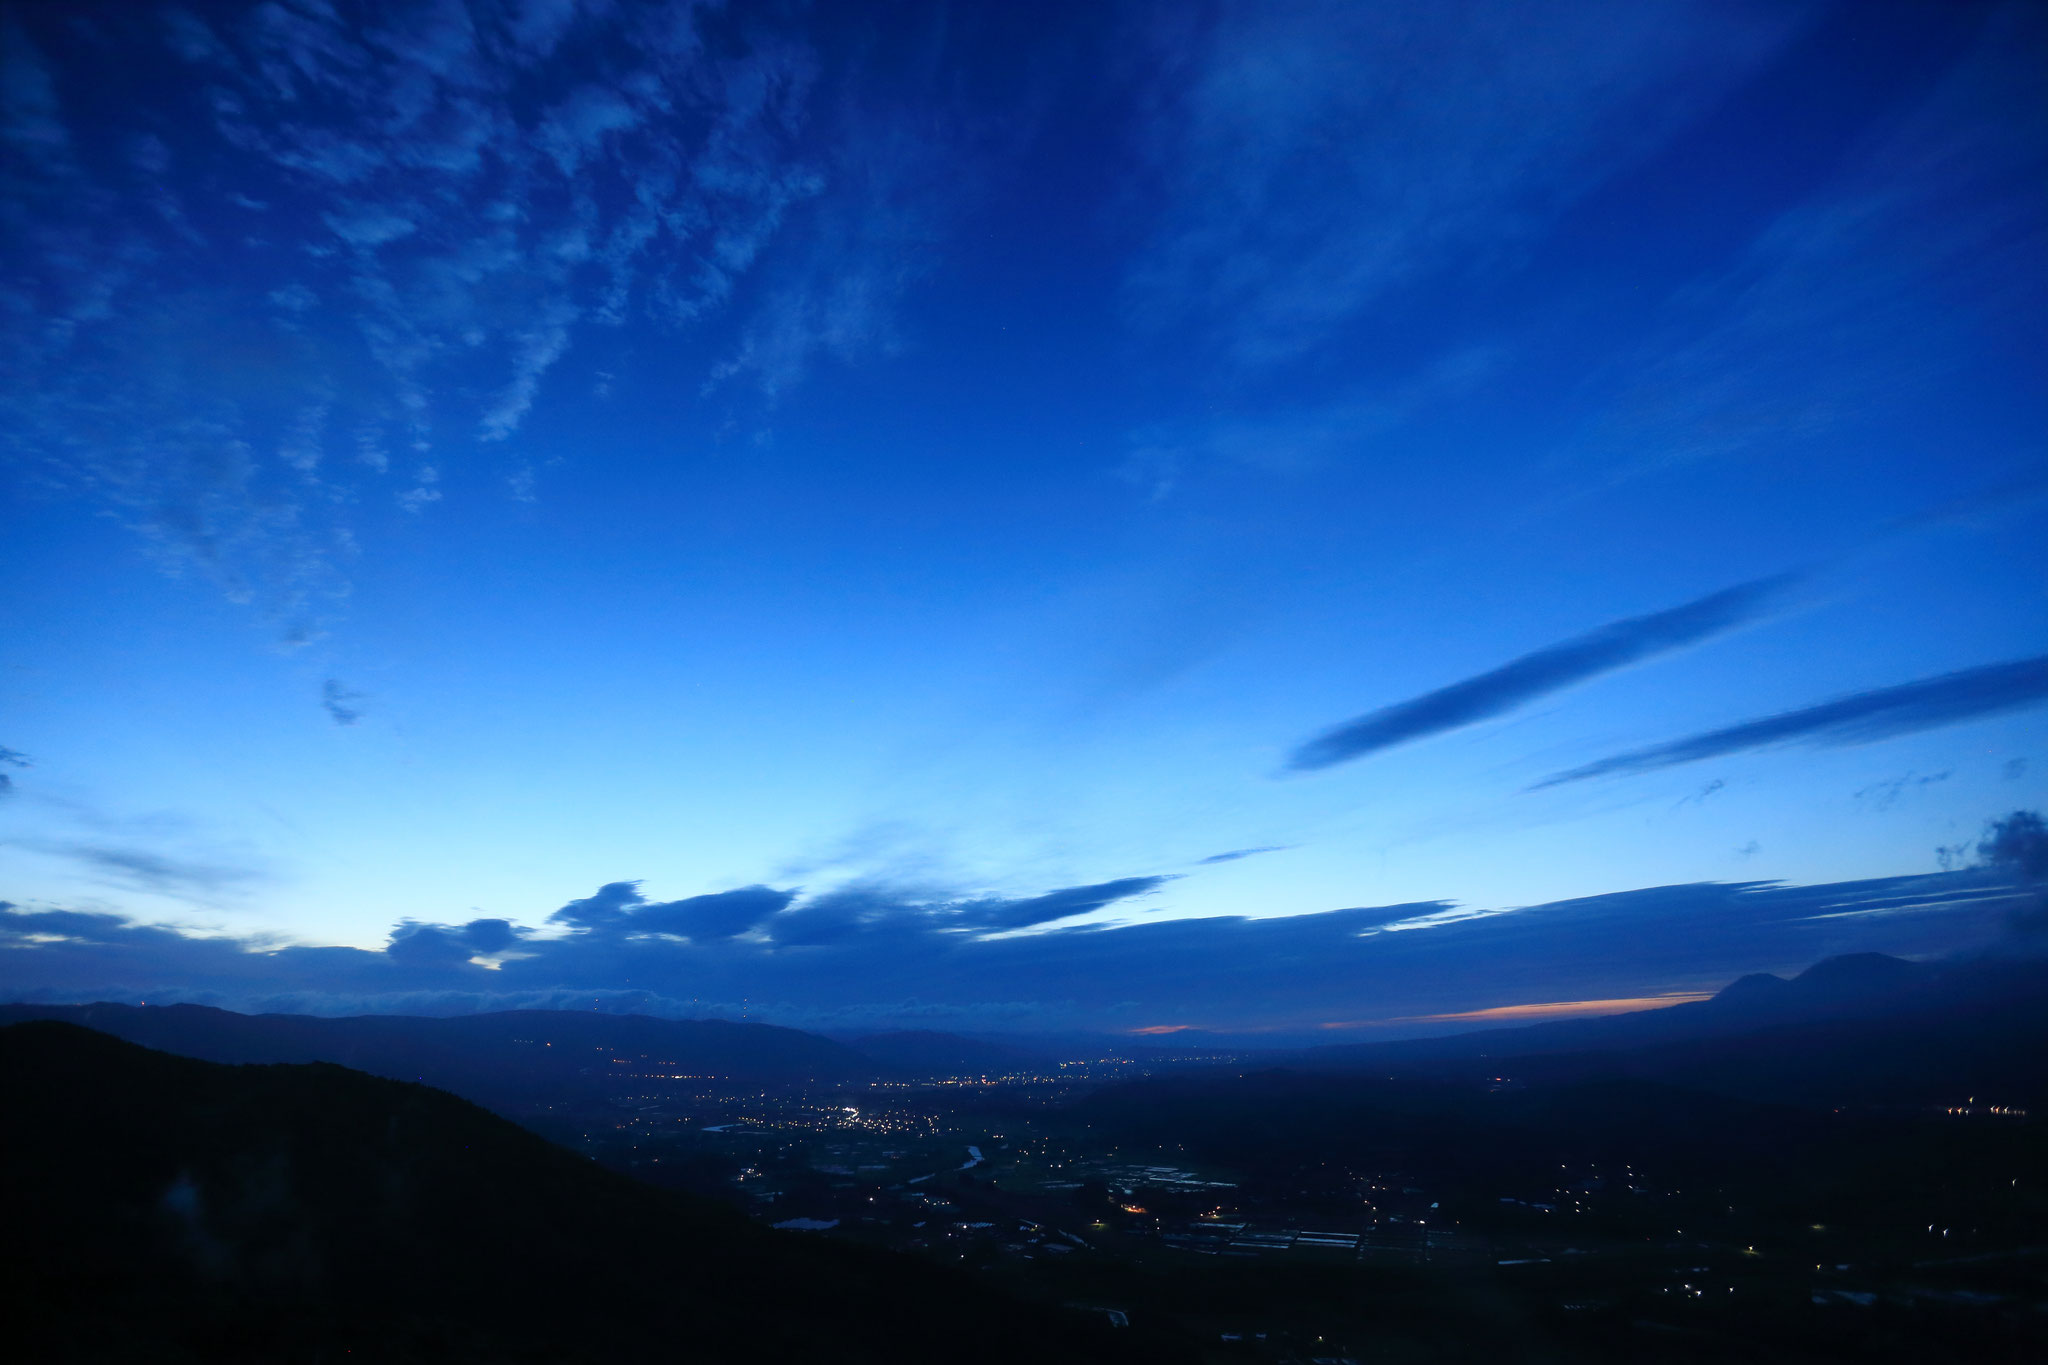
(1863, 1028)
(515, 1059)
(504, 1060)
(1856, 985)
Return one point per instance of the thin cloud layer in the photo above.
(1275, 233)
(136, 868)
(1860, 718)
(1870, 288)
(1515, 684)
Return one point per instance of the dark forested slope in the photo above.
(168, 1209)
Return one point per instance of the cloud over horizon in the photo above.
(873, 467)
(446, 945)
(619, 909)
(908, 965)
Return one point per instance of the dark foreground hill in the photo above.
(165, 1209)
(507, 1060)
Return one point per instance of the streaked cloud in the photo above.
(1237, 853)
(722, 914)
(1860, 718)
(1869, 290)
(136, 867)
(1058, 905)
(1549, 670)
(620, 909)
(1300, 440)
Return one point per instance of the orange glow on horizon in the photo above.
(1163, 1028)
(1549, 1009)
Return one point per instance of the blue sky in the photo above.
(962, 471)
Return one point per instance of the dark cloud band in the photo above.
(1856, 719)
(911, 967)
(619, 908)
(1056, 905)
(723, 914)
(1515, 684)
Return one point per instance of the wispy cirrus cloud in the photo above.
(1548, 670)
(1236, 853)
(1869, 289)
(136, 867)
(1860, 718)
(1298, 440)
(1464, 131)
(10, 758)
(322, 261)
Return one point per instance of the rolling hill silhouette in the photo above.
(169, 1209)
(506, 1060)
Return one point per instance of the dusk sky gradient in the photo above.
(1090, 516)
